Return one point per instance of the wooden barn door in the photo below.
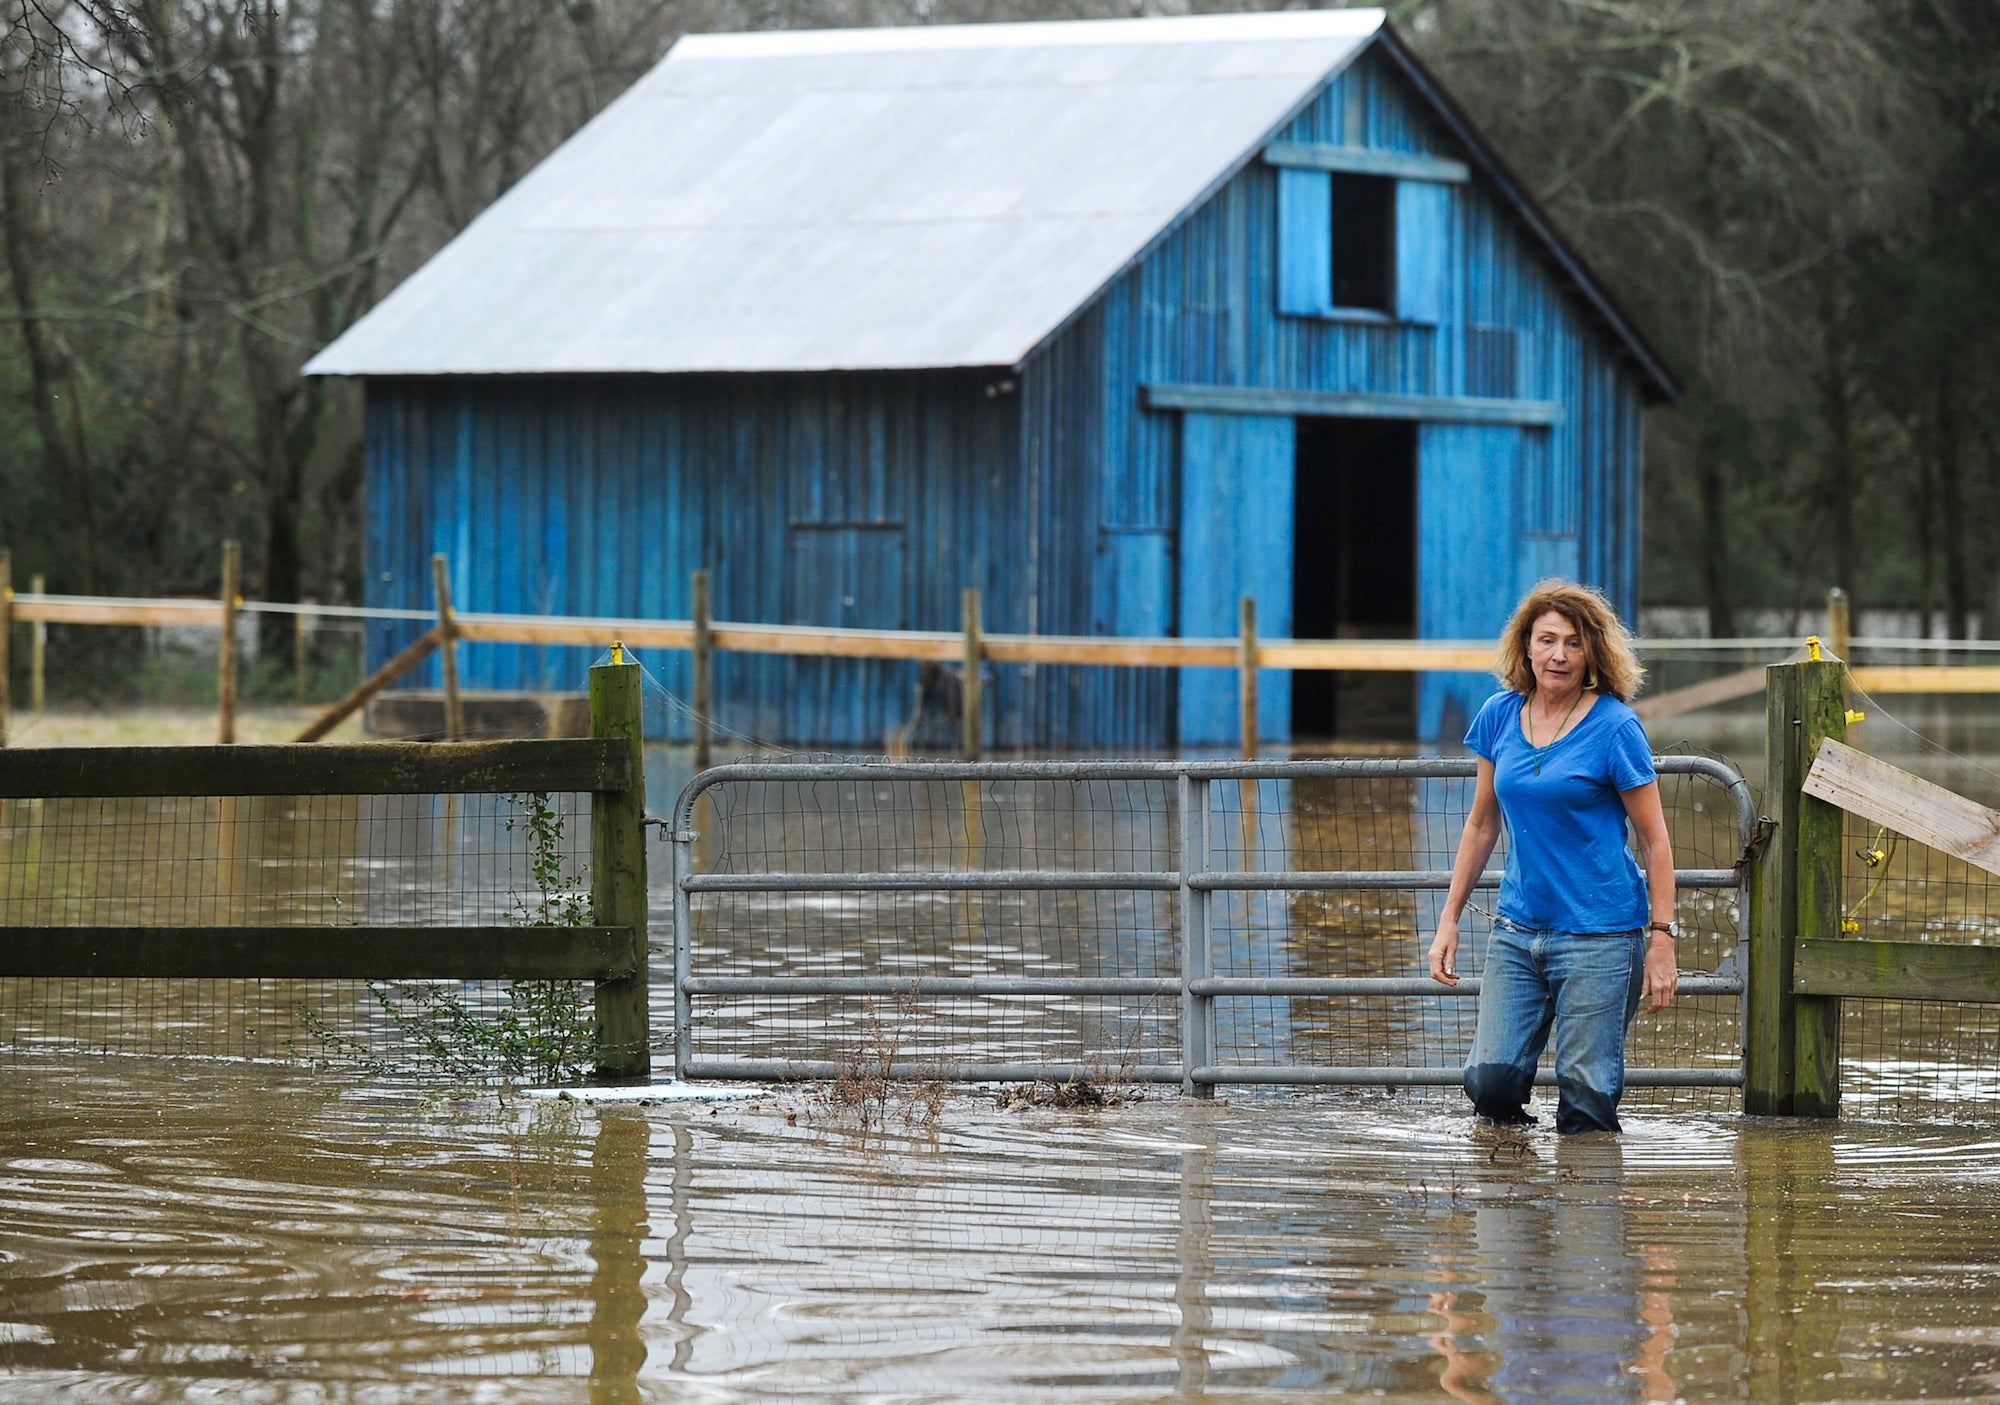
(848, 576)
(1468, 573)
(1236, 539)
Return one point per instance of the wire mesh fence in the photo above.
(891, 824)
(1355, 821)
(1908, 1057)
(310, 862)
(289, 660)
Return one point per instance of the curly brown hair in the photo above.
(1611, 664)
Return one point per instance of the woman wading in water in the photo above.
(1584, 931)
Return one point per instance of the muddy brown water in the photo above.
(176, 1233)
(219, 1228)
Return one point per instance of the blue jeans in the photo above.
(1590, 985)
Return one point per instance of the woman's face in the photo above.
(1556, 654)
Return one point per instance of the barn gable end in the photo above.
(1204, 312)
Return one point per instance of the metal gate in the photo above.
(797, 878)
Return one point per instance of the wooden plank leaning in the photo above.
(1884, 795)
(1708, 693)
(419, 649)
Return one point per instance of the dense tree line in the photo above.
(1799, 200)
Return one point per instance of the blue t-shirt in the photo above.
(1569, 868)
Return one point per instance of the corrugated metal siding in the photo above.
(853, 499)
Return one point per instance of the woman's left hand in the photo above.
(1663, 976)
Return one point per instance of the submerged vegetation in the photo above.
(546, 1030)
(866, 1083)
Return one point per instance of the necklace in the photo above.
(1538, 752)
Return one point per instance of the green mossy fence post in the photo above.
(1822, 832)
(618, 868)
(1792, 1043)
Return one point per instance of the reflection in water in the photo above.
(1557, 1316)
(246, 1237)
(617, 1209)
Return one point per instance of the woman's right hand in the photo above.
(1444, 952)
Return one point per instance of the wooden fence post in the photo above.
(1246, 669)
(225, 683)
(1792, 1042)
(973, 704)
(454, 712)
(618, 868)
(38, 653)
(1839, 627)
(703, 664)
(1821, 834)
(300, 626)
(6, 634)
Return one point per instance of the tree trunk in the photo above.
(51, 371)
(1951, 508)
(1717, 585)
(1925, 524)
(1837, 482)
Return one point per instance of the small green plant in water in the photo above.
(546, 1032)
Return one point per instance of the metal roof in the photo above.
(853, 199)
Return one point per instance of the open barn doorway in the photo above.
(1355, 571)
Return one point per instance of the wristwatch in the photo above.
(1666, 927)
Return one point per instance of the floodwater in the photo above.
(260, 1229)
(175, 1232)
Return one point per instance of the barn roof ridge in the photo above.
(1022, 34)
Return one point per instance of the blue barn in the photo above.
(1116, 321)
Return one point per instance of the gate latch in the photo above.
(1760, 835)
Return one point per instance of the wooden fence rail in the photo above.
(611, 951)
(967, 647)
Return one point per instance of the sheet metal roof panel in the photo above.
(942, 196)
